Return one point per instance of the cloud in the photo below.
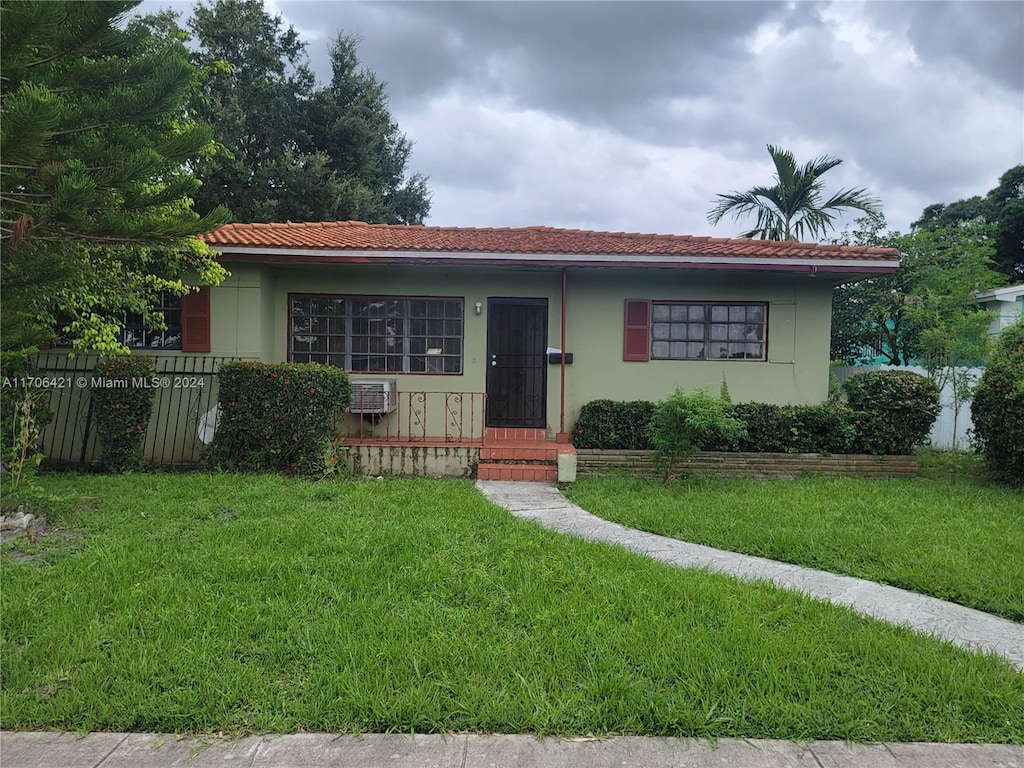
(633, 115)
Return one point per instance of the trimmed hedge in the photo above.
(122, 403)
(825, 428)
(889, 413)
(614, 425)
(279, 417)
(896, 410)
(998, 408)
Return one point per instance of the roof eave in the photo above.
(554, 260)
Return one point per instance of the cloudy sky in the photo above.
(634, 115)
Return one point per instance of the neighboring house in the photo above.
(468, 323)
(1007, 303)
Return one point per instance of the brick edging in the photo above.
(641, 463)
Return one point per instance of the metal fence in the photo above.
(185, 390)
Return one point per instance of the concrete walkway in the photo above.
(312, 750)
(965, 627)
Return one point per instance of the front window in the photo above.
(705, 331)
(377, 335)
(136, 334)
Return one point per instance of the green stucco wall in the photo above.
(250, 319)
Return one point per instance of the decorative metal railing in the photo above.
(417, 416)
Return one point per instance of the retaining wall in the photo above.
(641, 464)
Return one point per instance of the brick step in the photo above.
(536, 473)
(527, 452)
(502, 434)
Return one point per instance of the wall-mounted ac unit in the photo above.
(373, 396)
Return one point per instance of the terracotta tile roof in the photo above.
(359, 236)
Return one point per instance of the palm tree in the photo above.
(792, 209)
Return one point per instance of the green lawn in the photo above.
(961, 543)
(206, 602)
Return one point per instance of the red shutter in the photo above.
(195, 321)
(636, 346)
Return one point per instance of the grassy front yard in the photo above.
(961, 543)
(206, 602)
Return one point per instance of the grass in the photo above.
(196, 603)
(960, 543)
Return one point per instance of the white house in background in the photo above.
(1007, 302)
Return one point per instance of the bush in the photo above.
(279, 417)
(825, 428)
(122, 402)
(896, 410)
(24, 412)
(612, 425)
(767, 428)
(682, 423)
(998, 408)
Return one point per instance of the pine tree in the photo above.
(96, 213)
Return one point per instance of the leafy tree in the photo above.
(290, 149)
(954, 327)
(998, 408)
(96, 215)
(792, 208)
(1002, 207)
(350, 124)
(878, 313)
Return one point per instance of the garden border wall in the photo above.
(781, 465)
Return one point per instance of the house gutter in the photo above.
(558, 261)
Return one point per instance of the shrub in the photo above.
(998, 408)
(23, 414)
(279, 417)
(681, 424)
(612, 425)
(122, 401)
(825, 428)
(767, 428)
(896, 410)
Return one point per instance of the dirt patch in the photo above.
(30, 526)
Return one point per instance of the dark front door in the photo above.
(517, 333)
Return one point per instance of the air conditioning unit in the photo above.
(373, 396)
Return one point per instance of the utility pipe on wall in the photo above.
(562, 437)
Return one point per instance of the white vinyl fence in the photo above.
(942, 431)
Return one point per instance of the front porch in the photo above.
(444, 434)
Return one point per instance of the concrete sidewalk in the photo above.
(310, 750)
(965, 627)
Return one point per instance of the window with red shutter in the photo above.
(636, 345)
(195, 321)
